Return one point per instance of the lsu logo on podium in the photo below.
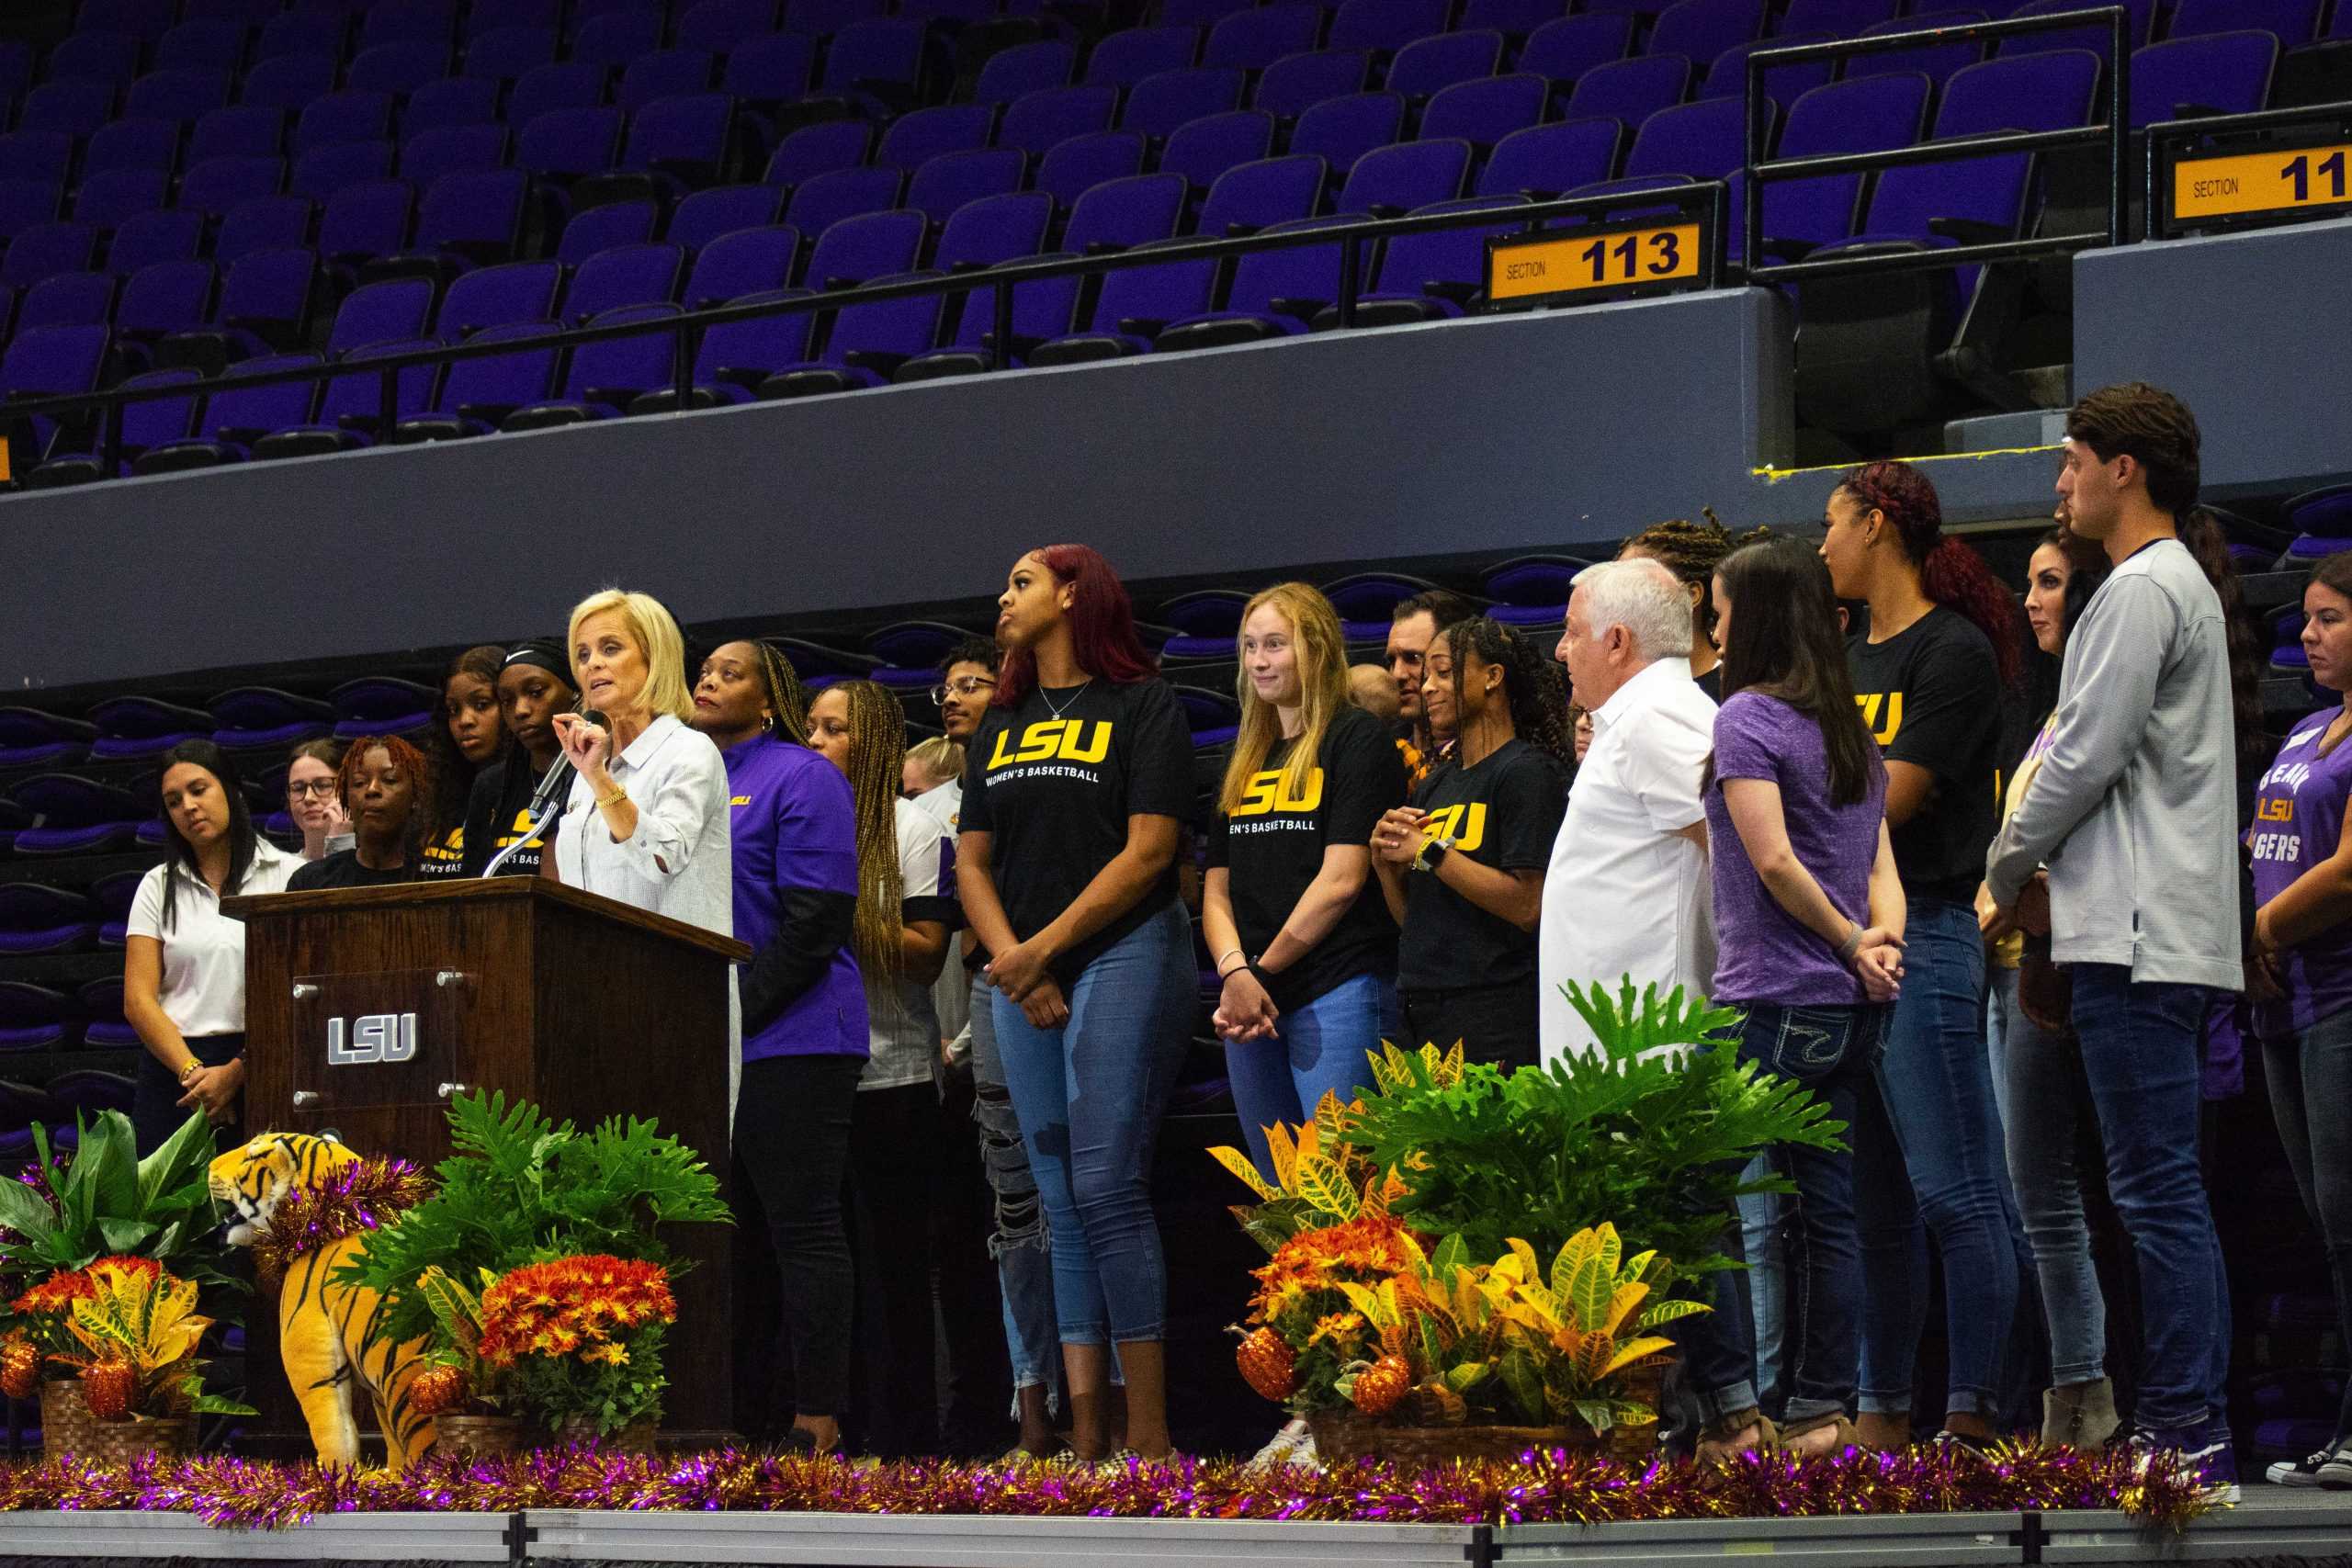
(1465, 825)
(1055, 741)
(376, 1037)
(1264, 793)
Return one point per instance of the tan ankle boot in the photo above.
(2079, 1415)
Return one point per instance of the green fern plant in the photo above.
(1649, 1127)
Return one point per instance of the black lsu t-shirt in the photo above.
(1504, 813)
(1931, 695)
(1053, 784)
(342, 869)
(1272, 847)
(499, 808)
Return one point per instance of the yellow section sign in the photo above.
(1574, 262)
(2279, 180)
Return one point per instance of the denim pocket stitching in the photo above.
(1829, 1035)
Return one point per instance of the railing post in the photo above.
(1350, 260)
(1003, 299)
(2118, 132)
(682, 369)
(110, 441)
(387, 404)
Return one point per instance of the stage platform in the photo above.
(2273, 1527)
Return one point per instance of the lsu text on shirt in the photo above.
(499, 809)
(2298, 823)
(1931, 695)
(1502, 813)
(1272, 848)
(1053, 783)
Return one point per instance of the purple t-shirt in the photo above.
(2297, 821)
(794, 825)
(1762, 953)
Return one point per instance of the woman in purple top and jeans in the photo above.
(1808, 912)
(795, 837)
(2302, 890)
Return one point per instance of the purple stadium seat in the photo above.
(571, 84)
(770, 71)
(2052, 91)
(289, 81)
(1705, 140)
(866, 344)
(489, 18)
(407, 21)
(477, 215)
(615, 39)
(1025, 68)
(627, 275)
(183, 94)
(1386, 25)
(820, 202)
(302, 32)
(2216, 74)
(145, 425)
(1631, 90)
(2139, 20)
(1251, 39)
(1937, 62)
(477, 393)
(31, 738)
(1862, 116)
(721, 209)
(45, 156)
(164, 297)
(1834, 19)
(1483, 112)
(1784, 84)
(145, 19)
(397, 307)
(1518, 18)
(344, 116)
(664, 74)
(1296, 83)
(71, 801)
(1041, 310)
(498, 296)
(130, 144)
(235, 418)
(736, 356)
(1257, 196)
(1122, 214)
(26, 204)
(323, 171)
(1701, 29)
(1038, 121)
(1340, 131)
(112, 58)
(876, 57)
(1158, 103)
(107, 199)
(350, 413)
(46, 248)
(1274, 294)
(218, 184)
(740, 262)
(367, 222)
(1544, 160)
(1563, 50)
(77, 107)
(1123, 59)
(1131, 307)
(675, 137)
(830, 15)
(246, 13)
(153, 238)
(505, 53)
(451, 150)
(1204, 150)
(1427, 65)
(719, 25)
(947, 183)
(67, 299)
(270, 222)
(242, 131)
(819, 149)
(213, 42)
(993, 231)
(605, 377)
(1198, 13)
(583, 11)
(16, 67)
(398, 68)
(36, 918)
(263, 305)
(859, 249)
(569, 142)
(1071, 168)
(1390, 181)
(1428, 277)
(452, 102)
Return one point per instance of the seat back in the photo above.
(824, 200)
(233, 410)
(396, 308)
(1025, 68)
(1485, 111)
(2224, 73)
(995, 230)
(239, 130)
(1253, 39)
(867, 246)
(1038, 121)
(369, 220)
(819, 149)
(953, 180)
(1123, 59)
(745, 261)
(914, 139)
(1550, 159)
(1388, 25)
(501, 380)
(1340, 131)
(664, 74)
(630, 274)
(218, 184)
(1408, 174)
(498, 296)
(1127, 213)
(633, 363)
(1430, 64)
(1259, 195)
(1158, 103)
(1071, 168)
(722, 209)
(1296, 83)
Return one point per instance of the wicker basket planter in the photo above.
(475, 1437)
(67, 1423)
(634, 1438)
(117, 1443)
(1341, 1439)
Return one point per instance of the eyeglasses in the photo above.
(322, 788)
(968, 686)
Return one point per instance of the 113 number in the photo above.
(1622, 263)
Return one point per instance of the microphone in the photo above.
(558, 779)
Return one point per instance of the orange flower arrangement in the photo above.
(45, 1313)
(1302, 1304)
(582, 1306)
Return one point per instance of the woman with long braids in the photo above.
(1929, 672)
(184, 966)
(905, 863)
(1463, 866)
(1693, 551)
(386, 787)
(469, 737)
(1075, 787)
(534, 686)
(794, 898)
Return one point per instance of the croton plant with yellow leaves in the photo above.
(136, 1332)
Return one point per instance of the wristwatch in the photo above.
(1432, 853)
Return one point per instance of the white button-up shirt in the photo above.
(203, 985)
(679, 863)
(1627, 891)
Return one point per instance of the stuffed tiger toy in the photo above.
(326, 1333)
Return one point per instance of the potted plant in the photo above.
(579, 1341)
(64, 1214)
(137, 1331)
(465, 1394)
(35, 1358)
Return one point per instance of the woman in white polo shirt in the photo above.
(184, 972)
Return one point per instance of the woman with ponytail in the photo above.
(1929, 672)
(1463, 865)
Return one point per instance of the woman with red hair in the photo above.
(1941, 647)
(1075, 783)
(386, 787)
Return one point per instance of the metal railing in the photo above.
(1704, 199)
(2115, 134)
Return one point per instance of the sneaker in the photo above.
(1292, 1445)
(2335, 1474)
(2206, 1449)
(2301, 1472)
(1951, 1442)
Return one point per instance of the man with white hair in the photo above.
(1627, 891)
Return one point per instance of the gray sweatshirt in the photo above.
(2133, 807)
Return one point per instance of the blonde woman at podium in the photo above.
(646, 822)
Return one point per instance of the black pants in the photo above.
(893, 1145)
(1495, 1023)
(155, 1096)
(792, 1129)
(971, 1304)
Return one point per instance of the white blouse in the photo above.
(203, 990)
(680, 861)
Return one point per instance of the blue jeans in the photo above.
(1018, 1241)
(1089, 1095)
(1830, 1050)
(2140, 1053)
(1928, 1156)
(1763, 1218)
(2310, 1095)
(1323, 1046)
(2036, 1082)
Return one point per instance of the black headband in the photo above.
(544, 652)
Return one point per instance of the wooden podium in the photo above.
(367, 1009)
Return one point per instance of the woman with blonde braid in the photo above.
(905, 861)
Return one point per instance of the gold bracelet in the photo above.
(195, 1065)
(619, 793)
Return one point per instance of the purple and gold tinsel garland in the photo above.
(358, 1197)
(1542, 1488)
